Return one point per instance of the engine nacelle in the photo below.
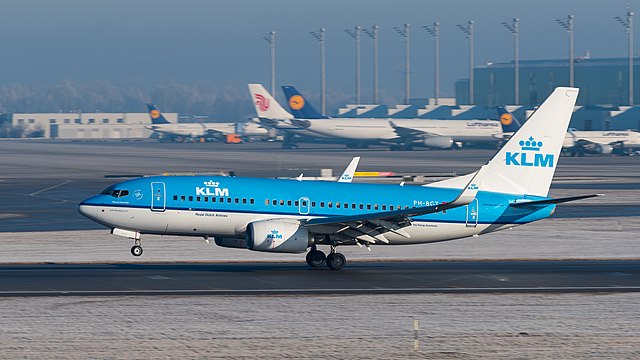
(231, 242)
(277, 235)
(438, 142)
(604, 149)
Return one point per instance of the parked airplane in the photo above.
(578, 143)
(399, 133)
(183, 131)
(292, 216)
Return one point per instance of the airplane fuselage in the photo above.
(224, 206)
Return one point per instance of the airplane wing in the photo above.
(409, 133)
(347, 175)
(371, 227)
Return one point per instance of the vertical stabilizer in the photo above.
(156, 115)
(527, 162)
(266, 105)
(299, 106)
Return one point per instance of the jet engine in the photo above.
(604, 149)
(438, 142)
(278, 235)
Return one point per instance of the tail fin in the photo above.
(300, 107)
(266, 106)
(527, 162)
(156, 115)
(509, 122)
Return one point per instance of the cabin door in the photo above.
(158, 196)
(472, 213)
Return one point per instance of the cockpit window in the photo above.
(115, 192)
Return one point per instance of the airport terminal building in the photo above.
(77, 125)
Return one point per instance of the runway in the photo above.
(297, 279)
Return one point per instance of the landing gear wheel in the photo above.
(336, 261)
(136, 250)
(316, 258)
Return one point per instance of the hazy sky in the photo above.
(144, 41)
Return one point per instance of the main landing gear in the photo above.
(334, 261)
(136, 250)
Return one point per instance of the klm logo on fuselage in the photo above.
(274, 234)
(529, 155)
(211, 188)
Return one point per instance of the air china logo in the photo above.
(529, 155)
(211, 188)
(262, 102)
(274, 234)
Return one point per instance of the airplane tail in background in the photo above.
(266, 105)
(526, 163)
(300, 107)
(156, 115)
(509, 122)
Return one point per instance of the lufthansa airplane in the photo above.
(291, 216)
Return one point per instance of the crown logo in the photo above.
(274, 231)
(211, 183)
(530, 144)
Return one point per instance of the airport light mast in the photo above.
(270, 38)
(514, 29)
(628, 27)
(568, 25)
(435, 32)
(320, 36)
(404, 32)
(373, 34)
(468, 30)
(355, 34)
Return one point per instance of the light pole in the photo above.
(514, 28)
(355, 34)
(468, 30)
(320, 36)
(568, 25)
(373, 33)
(628, 26)
(270, 38)
(404, 32)
(435, 32)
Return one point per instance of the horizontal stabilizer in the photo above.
(552, 201)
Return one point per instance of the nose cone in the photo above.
(86, 210)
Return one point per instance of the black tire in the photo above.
(136, 250)
(316, 258)
(336, 261)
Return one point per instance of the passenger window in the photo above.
(346, 205)
(175, 197)
(266, 202)
(213, 199)
(221, 199)
(229, 200)
(237, 200)
(375, 207)
(297, 203)
(304, 203)
(274, 202)
(206, 199)
(368, 206)
(321, 204)
(281, 202)
(251, 201)
(198, 198)
(313, 204)
(353, 206)
(182, 198)
(338, 205)
(330, 204)
(384, 207)
(361, 206)
(288, 202)
(190, 198)
(244, 200)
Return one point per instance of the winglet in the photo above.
(347, 175)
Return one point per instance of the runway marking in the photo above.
(51, 187)
(204, 292)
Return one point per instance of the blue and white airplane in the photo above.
(291, 216)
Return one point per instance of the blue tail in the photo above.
(156, 115)
(509, 122)
(300, 107)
